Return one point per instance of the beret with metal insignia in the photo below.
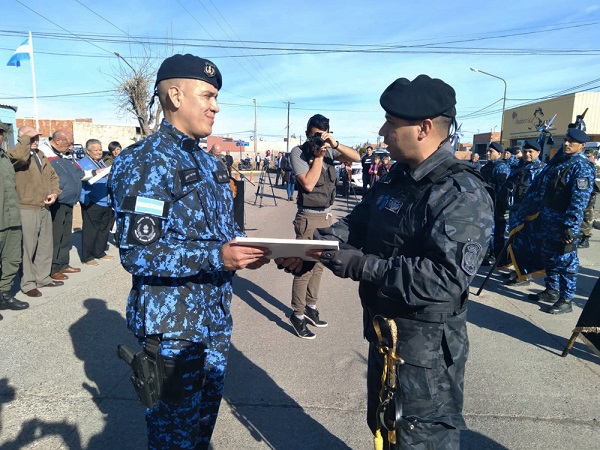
(577, 135)
(422, 98)
(534, 145)
(496, 146)
(189, 66)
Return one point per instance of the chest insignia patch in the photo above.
(470, 256)
(393, 205)
(582, 183)
(221, 176)
(189, 176)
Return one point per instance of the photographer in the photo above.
(315, 174)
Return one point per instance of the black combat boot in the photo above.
(547, 295)
(584, 242)
(7, 301)
(561, 306)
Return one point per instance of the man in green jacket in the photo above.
(38, 188)
(10, 229)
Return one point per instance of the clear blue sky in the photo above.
(328, 57)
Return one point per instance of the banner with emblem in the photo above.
(525, 249)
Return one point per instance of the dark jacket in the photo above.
(69, 174)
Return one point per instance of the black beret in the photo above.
(496, 146)
(189, 66)
(530, 143)
(422, 98)
(515, 150)
(590, 151)
(577, 135)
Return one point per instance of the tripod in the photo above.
(350, 191)
(260, 190)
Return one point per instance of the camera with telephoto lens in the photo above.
(316, 141)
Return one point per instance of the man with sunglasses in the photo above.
(312, 162)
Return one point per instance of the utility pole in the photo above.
(288, 103)
(254, 126)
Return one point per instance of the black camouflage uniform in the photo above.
(427, 231)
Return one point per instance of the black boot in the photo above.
(584, 242)
(7, 301)
(547, 295)
(561, 306)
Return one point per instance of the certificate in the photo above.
(99, 176)
(287, 248)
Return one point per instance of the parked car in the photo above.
(78, 151)
(357, 182)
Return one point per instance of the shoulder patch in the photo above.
(470, 256)
(145, 229)
(582, 183)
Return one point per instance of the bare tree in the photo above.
(135, 88)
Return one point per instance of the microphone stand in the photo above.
(242, 176)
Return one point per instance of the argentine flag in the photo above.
(22, 53)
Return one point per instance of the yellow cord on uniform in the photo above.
(378, 440)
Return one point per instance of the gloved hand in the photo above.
(568, 235)
(306, 267)
(347, 262)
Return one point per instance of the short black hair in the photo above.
(319, 122)
(113, 145)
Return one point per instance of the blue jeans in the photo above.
(290, 189)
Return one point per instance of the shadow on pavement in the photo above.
(95, 337)
(248, 292)
(472, 440)
(35, 429)
(493, 319)
(271, 416)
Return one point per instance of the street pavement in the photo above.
(63, 387)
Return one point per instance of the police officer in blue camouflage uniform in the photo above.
(513, 190)
(495, 172)
(176, 236)
(415, 243)
(588, 214)
(568, 187)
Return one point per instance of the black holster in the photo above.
(147, 366)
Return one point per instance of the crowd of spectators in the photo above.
(41, 184)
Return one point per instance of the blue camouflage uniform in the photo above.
(495, 174)
(174, 212)
(568, 186)
(513, 191)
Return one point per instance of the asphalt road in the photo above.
(62, 386)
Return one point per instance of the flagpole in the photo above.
(35, 104)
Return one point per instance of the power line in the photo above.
(62, 28)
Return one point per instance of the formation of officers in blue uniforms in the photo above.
(559, 192)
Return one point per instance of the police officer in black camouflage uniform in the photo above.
(428, 223)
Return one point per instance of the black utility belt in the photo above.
(432, 316)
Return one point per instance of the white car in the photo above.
(357, 182)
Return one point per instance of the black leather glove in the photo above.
(306, 267)
(347, 262)
(568, 235)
